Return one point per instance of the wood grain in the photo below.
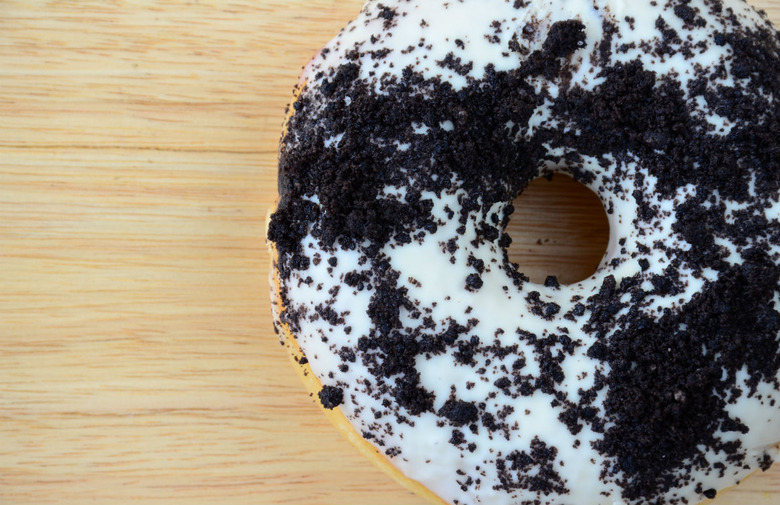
(137, 164)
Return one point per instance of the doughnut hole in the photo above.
(559, 227)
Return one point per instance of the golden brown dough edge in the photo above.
(313, 386)
(310, 380)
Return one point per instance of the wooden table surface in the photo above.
(137, 163)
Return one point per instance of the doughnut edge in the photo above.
(336, 418)
(307, 375)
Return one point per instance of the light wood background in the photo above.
(137, 163)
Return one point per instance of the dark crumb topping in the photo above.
(388, 14)
(564, 38)
(459, 412)
(514, 470)
(331, 396)
(659, 373)
(669, 373)
(454, 63)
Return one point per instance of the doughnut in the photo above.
(654, 380)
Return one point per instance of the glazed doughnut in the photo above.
(656, 379)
